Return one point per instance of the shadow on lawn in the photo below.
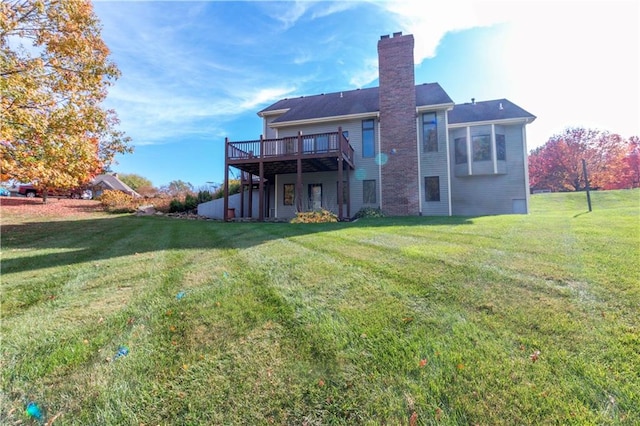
(98, 239)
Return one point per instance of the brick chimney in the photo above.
(399, 186)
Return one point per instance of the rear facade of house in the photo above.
(404, 148)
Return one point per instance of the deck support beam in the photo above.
(348, 195)
(260, 182)
(250, 201)
(226, 180)
(299, 205)
(242, 174)
(340, 171)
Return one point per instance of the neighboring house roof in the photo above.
(112, 182)
(352, 102)
(496, 110)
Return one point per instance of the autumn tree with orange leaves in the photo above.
(610, 159)
(54, 74)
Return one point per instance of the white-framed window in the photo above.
(432, 188)
(369, 192)
(481, 145)
(429, 132)
(368, 138)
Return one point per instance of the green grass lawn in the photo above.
(517, 319)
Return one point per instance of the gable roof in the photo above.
(352, 102)
(495, 110)
(112, 182)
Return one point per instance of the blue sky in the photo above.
(194, 73)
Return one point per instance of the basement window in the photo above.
(289, 194)
(368, 191)
(432, 188)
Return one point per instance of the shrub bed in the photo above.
(316, 216)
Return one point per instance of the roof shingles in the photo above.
(366, 101)
(360, 101)
(498, 109)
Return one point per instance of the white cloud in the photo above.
(365, 75)
(329, 8)
(429, 22)
(150, 114)
(571, 63)
(287, 13)
(577, 64)
(253, 99)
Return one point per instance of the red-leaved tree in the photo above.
(557, 165)
(631, 178)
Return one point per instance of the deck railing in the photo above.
(319, 143)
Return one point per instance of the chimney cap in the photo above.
(397, 34)
(382, 37)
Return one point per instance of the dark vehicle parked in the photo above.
(30, 190)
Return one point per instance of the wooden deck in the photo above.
(266, 158)
(318, 153)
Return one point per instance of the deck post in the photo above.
(250, 202)
(242, 175)
(348, 195)
(299, 204)
(226, 180)
(260, 183)
(268, 207)
(340, 182)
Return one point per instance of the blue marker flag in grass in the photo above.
(122, 351)
(34, 411)
(180, 295)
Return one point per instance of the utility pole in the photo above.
(586, 182)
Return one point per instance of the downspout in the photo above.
(380, 162)
(225, 205)
(446, 133)
(469, 153)
(494, 154)
(275, 191)
(526, 166)
(419, 164)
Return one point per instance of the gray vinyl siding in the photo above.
(329, 182)
(269, 132)
(435, 164)
(365, 169)
(490, 193)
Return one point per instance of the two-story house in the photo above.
(404, 148)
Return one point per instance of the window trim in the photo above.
(457, 142)
(284, 194)
(372, 131)
(433, 199)
(434, 123)
(503, 142)
(372, 192)
(485, 139)
(310, 193)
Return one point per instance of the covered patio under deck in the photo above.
(266, 158)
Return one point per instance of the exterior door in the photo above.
(315, 196)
